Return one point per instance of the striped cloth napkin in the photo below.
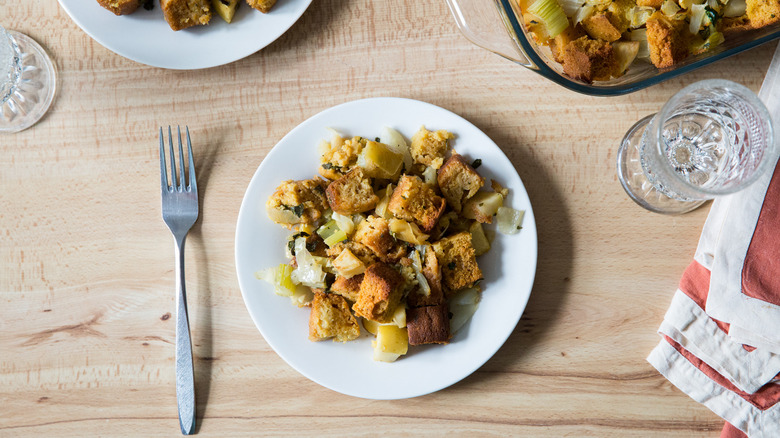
(721, 335)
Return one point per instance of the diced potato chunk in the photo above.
(479, 241)
(483, 206)
(391, 342)
(348, 265)
(378, 161)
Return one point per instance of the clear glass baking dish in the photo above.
(499, 28)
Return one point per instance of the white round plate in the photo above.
(144, 36)
(348, 368)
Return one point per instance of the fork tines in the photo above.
(177, 184)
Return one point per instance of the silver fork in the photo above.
(180, 211)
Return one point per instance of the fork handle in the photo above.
(185, 378)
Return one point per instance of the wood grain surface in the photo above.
(86, 263)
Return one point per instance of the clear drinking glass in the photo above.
(712, 138)
(27, 81)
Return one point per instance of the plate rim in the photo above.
(281, 352)
(173, 66)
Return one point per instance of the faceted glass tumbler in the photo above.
(712, 138)
(28, 81)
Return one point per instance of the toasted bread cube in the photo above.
(599, 27)
(668, 40)
(181, 14)
(374, 233)
(656, 4)
(763, 12)
(380, 293)
(298, 202)
(458, 181)
(341, 158)
(121, 7)
(262, 5)
(414, 200)
(431, 270)
(428, 147)
(362, 252)
(330, 318)
(731, 27)
(558, 43)
(589, 60)
(352, 193)
(619, 13)
(428, 325)
(458, 262)
(348, 288)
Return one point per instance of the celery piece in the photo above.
(551, 14)
(336, 237)
(328, 229)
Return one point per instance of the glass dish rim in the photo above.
(541, 67)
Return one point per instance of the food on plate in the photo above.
(181, 14)
(596, 40)
(121, 7)
(226, 9)
(262, 5)
(387, 237)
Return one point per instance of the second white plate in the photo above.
(508, 268)
(145, 36)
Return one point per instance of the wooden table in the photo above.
(86, 263)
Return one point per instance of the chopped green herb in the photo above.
(291, 247)
(476, 163)
(376, 139)
(298, 210)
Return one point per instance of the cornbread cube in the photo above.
(730, 27)
(348, 288)
(589, 60)
(181, 14)
(374, 233)
(341, 158)
(362, 252)
(298, 202)
(330, 318)
(619, 13)
(458, 181)
(352, 193)
(121, 7)
(262, 5)
(458, 262)
(380, 293)
(558, 43)
(428, 147)
(432, 273)
(656, 4)
(428, 325)
(413, 200)
(763, 12)
(599, 27)
(668, 40)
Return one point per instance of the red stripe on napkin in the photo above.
(762, 261)
(730, 431)
(695, 283)
(763, 399)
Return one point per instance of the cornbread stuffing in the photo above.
(376, 242)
